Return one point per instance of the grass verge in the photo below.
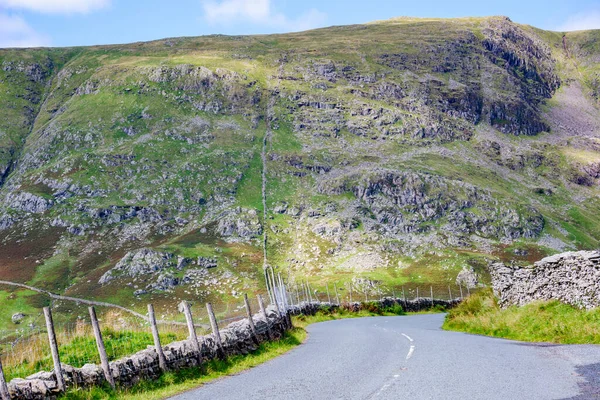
(549, 321)
(173, 383)
(176, 382)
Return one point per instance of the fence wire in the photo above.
(27, 351)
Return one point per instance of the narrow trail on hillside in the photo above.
(92, 303)
(263, 156)
(266, 141)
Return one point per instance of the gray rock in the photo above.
(467, 277)
(240, 223)
(17, 318)
(28, 202)
(139, 263)
(207, 262)
(571, 277)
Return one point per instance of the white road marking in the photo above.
(409, 355)
(412, 347)
(410, 352)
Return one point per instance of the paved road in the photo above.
(410, 357)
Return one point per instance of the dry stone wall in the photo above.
(571, 277)
(237, 338)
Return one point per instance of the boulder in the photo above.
(17, 318)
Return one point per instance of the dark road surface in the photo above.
(410, 357)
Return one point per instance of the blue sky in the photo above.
(25, 23)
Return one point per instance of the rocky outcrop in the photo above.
(28, 202)
(409, 202)
(571, 277)
(240, 223)
(467, 277)
(139, 263)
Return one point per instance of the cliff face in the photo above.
(410, 146)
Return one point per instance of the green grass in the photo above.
(79, 348)
(550, 321)
(172, 383)
(24, 301)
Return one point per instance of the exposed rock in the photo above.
(139, 263)
(240, 223)
(183, 262)
(165, 281)
(28, 202)
(467, 277)
(17, 318)
(207, 262)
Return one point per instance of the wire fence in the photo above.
(27, 351)
(350, 293)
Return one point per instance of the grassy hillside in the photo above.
(396, 153)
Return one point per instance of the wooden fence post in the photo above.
(192, 330)
(4, 395)
(337, 297)
(468, 290)
(328, 297)
(274, 285)
(450, 292)
(404, 297)
(461, 292)
(431, 289)
(60, 380)
(263, 311)
(215, 329)
(350, 294)
(287, 317)
(162, 361)
(305, 290)
(250, 320)
(101, 349)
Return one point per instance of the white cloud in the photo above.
(227, 12)
(15, 32)
(581, 21)
(56, 6)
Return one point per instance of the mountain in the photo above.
(390, 153)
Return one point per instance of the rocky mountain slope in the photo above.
(396, 152)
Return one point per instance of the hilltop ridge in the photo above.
(398, 152)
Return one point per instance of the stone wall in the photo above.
(572, 278)
(236, 338)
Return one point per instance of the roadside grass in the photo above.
(78, 347)
(549, 321)
(172, 383)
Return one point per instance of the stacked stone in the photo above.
(236, 338)
(571, 277)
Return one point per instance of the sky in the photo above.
(29, 23)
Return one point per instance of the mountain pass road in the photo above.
(410, 357)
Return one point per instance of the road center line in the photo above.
(412, 346)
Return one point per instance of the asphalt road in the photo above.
(410, 357)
